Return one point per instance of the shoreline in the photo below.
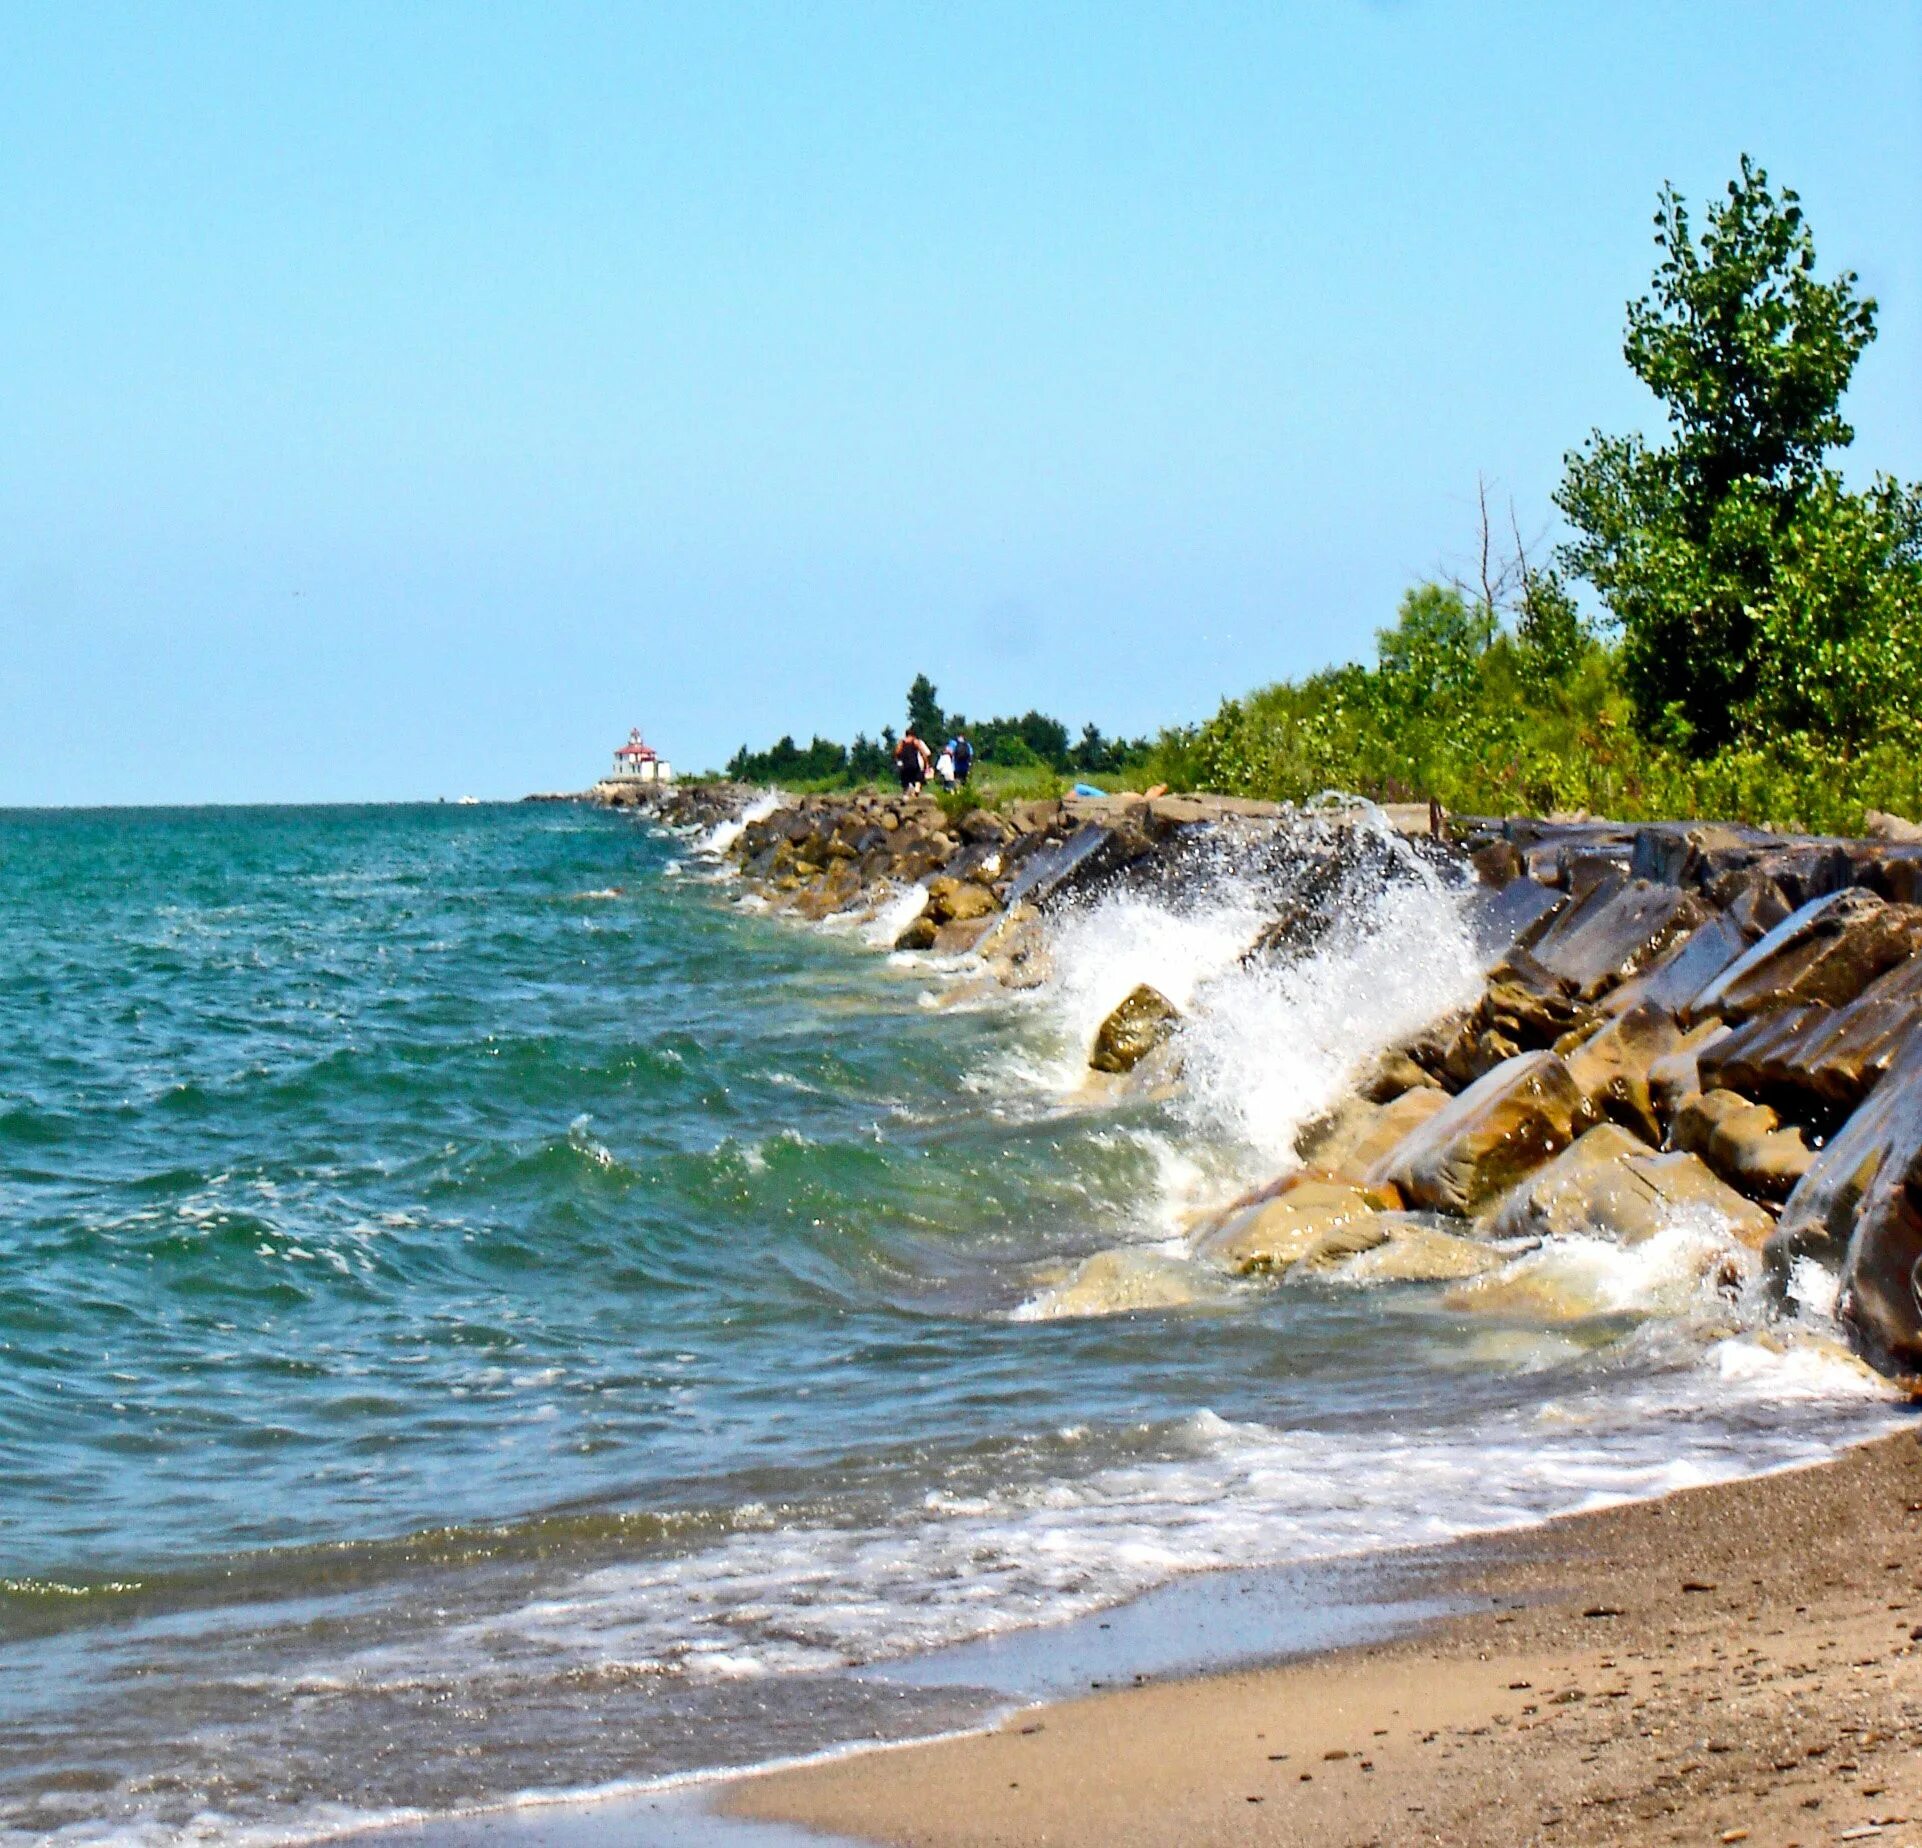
(1743, 1656)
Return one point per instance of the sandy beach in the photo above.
(1741, 1662)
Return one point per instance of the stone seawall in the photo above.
(1679, 1020)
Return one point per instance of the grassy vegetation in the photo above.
(1754, 647)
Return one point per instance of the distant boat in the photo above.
(469, 802)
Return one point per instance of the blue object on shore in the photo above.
(1088, 789)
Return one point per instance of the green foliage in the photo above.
(1753, 594)
(1020, 757)
(925, 716)
(823, 761)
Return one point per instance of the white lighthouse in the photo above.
(637, 761)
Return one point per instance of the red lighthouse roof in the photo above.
(636, 749)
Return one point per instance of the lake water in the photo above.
(484, 1311)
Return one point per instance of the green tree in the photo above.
(1429, 657)
(1700, 547)
(924, 712)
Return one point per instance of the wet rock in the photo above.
(1817, 1063)
(1352, 1138)
(1054, 869)
(1497, 864)
(1613, 932)
(1611, 1067)
(1512, 914)
(1743, 1142)
(1611, 1184)
(1676, 853)
(1016, 948)
(1126, 1281)
(1681, 973)
(1272, 1234)
(919, 935)
(960, 936)
(1408, 1251)
(957, 901)
(1677, 1076)
(1526, 1003)
(1141, 1023)
(1829, 950)
(1477, 1145)
(1391, 1074)
(1861, 1204)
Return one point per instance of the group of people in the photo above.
(914, 763)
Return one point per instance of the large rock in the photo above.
(1879, 826)
(1614, 931)
(1610, 1184)
(1353, 1137)
(1861, 1205)
(1508, 914)
(1272, 1234)
(1126, 1281)
(958, 901)
(1611, 1067)
(1057, 869)
(1817, 1063)
(1681, 973)
(1405, 1250)
(1743, 1142)
(1504, 1126)
(1829, 951)
(1143, 1020)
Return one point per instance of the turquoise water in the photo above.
(482, 1311)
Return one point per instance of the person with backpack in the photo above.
(911, 762)
(963, 754)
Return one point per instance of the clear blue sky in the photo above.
(402, 399)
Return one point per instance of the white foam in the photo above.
(717, 841)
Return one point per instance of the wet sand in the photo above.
(1741, 1662)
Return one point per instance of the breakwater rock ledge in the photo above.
(1631, 1034)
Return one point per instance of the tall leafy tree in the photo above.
(1701, 547)
(924, 712)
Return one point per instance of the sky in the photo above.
(401, 400)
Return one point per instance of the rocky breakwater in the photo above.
(1685, 1024)
(1678, 1022)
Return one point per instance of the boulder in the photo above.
(1860, 1205)
(1407, 1251)
(1674, 853)
(919, 935)
(1274, 1233)
(1614, 931)
(1525, 1003)
(1883, 827)
(960, 936)
(1142, 1021)
(1392, 1073)
(1501, 917)
(1352, 1138)
(1681, 973)
(1817, 1063)
(1504, 1126)
(1743, 1142)
(1676, 1076)
(956, 901)
(1829, 950)
(1611, 1067)
(1611, 1184)
(1126, 1281)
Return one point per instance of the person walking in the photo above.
(963, 754)
(911, 762)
